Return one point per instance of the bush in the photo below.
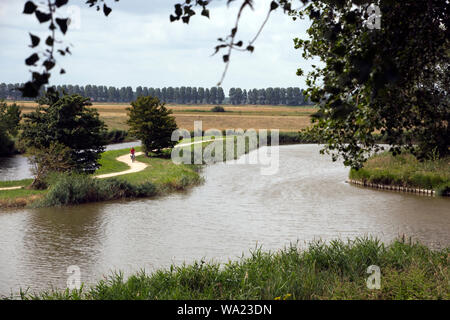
(218, 109)
(71, 189)
(6, 145)
(10, 116)
(56, 158)
(145, 190)
(116, 136)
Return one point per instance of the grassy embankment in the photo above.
(18, 197)
(160, 177)
(333, 271)
(406, 171)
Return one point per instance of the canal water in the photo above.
(234, 211)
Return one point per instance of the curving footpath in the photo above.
(135, 166)
(11, 188)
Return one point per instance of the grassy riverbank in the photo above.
(18, 197)
(406, 171)
(333, 271)
(160, 177)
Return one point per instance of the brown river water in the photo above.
(235, 210)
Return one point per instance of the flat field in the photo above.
(284, 118)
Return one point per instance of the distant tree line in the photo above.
(181, 95)
(271, 96)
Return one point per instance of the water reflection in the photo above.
(44, 243)
(14, 168)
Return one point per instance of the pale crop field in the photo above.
(284, 118)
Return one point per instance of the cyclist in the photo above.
(133, 156)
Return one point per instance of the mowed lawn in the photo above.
(284, 118)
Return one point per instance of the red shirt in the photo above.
(132, 151)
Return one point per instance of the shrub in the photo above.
(71, 189)
(10, 116)
(56, 158)
(116, 136)
(6, 145)
(218, 109)
(146, 189)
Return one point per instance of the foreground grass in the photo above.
(333, 271)
(405, 170)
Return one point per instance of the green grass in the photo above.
(164, 174)
(15, 183)
(405, 170)
(109, 164)
(19, 193)
(323, 271)
(18, 197)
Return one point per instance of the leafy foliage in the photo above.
(152, 123)
(393, 80)
(10, 116)
(116, 136)
(55, 158)
(67, 121)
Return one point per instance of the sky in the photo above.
(136, 45)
